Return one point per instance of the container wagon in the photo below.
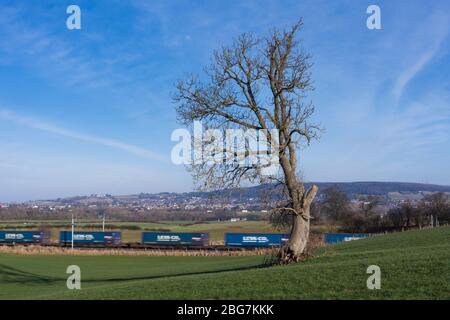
(90, 238)
(174, 239)
(24, 237)
(333, 238)
(255, 239)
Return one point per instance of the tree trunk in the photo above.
(295, 247)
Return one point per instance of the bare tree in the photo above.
(402, 216)
(368, 204)
(436, 206)
(405, 216)
(335, 203)
(258, 84)
(396, 217)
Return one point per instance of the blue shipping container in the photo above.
(256, 239)
(180, 238)
(24, 236)
(332, 238)
(90, 237)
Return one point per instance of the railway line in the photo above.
(150, 241)
(139, 247)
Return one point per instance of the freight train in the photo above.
(186, 240)
(149, 239)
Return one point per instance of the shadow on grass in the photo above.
(16, 276)
(13, 275)
(168, 276)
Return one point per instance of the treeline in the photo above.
(368, 215)
(16, 212)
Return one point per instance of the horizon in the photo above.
(193, 191)
(89, 111)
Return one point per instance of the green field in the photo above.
(414, 265)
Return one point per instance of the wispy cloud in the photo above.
(38, 47)
(407, 75)
(59, 55)
(433, 39)
(47, 127)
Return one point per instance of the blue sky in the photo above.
(89, 111)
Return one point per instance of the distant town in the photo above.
(245, 200)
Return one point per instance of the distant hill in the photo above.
(383, 188)
(352, 189)
(252, 195)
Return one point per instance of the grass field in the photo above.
(414, 265)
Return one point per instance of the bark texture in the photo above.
(295, 247)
